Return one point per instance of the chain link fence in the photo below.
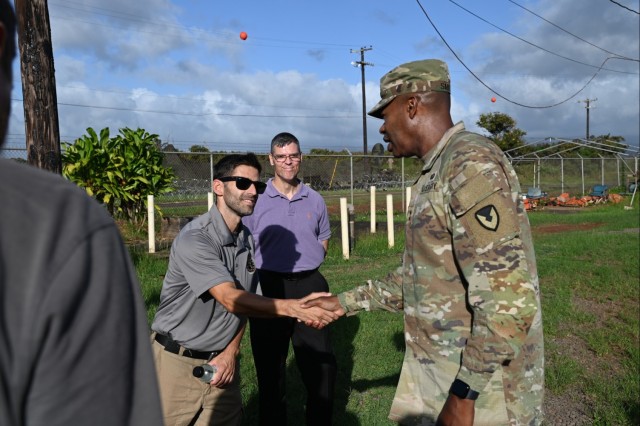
(351, 176)
(334, 176)
(17, 154)
(576, 176)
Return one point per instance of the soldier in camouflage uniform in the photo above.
(468, 285)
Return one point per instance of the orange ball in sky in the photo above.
(243, 35)
(493, 99)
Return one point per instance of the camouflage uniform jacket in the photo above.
(468, 287)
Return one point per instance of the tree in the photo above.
(198, 148)
(613, 143)
(119, 172)
(503, 130)
(38, 85)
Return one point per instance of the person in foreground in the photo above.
(468, 284)
(207, 292)
(291, 226)
(73, 327)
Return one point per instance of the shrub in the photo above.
(120, 171)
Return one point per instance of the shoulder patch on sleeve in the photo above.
(488, 217)
(485, 211)
(493, 221)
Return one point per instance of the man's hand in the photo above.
(325, 301)
(322, 300)
(457, 412)
(225, 364)
(316, 317)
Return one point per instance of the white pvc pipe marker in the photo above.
(152, 224)
(390, 220)
(344, 225)
(209, 200)
(373, 209)
(408, 199)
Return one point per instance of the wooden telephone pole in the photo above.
(361, 63)
(588, 107)
(42, 132)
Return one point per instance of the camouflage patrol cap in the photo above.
(429, 75)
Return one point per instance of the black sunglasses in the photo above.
(242, 183)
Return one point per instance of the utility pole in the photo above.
(361, 63)
(588, 107)
(38, 85)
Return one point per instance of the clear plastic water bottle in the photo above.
(204, 372)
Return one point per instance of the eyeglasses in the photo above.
(281, 158)
(242, 183)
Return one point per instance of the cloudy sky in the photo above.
(179, 69)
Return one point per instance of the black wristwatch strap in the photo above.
(462, 390)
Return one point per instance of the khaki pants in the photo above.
(188, 401)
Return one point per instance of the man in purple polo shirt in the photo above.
(290, 225)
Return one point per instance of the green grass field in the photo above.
(588, 264)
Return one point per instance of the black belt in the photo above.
(174, 347)
(293, 276)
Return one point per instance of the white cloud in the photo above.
(128, 61)
(533, 77)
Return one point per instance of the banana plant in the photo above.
(118, 171)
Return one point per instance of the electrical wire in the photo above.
(571, 34)
(539, 47)
(492, 89)
(625, 7)
(225, 114)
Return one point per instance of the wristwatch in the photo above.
(462, 390)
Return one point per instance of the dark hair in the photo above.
(8, 18)
(228, 163)
(284, 139)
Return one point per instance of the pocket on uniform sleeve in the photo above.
(485, 211)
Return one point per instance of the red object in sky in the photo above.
(243, 35)
(493, 99)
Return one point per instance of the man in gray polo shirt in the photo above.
(209, 287)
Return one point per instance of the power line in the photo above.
(625, 7)
(536, 46)
(178, 98)
(201, 114)
(490, 88)
(570, 33)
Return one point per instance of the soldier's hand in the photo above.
(315, 317)
(327, 302)
(457, 412)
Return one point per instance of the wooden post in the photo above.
(344, 226)
(152, 224)
(408, 190)
(373, 209)
(390, 229)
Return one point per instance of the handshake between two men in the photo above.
(317, 310)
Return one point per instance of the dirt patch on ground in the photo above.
(560, 410)
(565, 227)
